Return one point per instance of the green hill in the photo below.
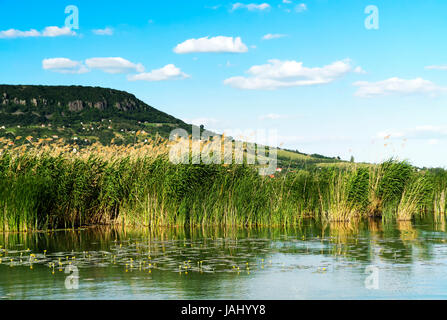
(87, 114)
(296, 159)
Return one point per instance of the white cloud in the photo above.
(280, 74)
(113, 65)
(270, 36)
(397, 86)
(250, 6)
(47, 32)
(214, 44)
(56, 32)
(301, 7)
(286, 1)
(271, 116)
(103, 32)
(440, 67)
(63, 65)
(13, 33)
(168, 72)
(108, 65)
(359, 69)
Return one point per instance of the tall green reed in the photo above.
(43, 191)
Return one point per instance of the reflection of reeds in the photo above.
(440, 224)
(344, 232)
(375, 226)
(407, 231)
(439, 205)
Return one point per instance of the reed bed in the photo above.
(62, 187)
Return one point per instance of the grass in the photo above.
(387, 183)
(415, 193)
(439, 194)
(54, 187)
(347, 194)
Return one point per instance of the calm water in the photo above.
(366, 260)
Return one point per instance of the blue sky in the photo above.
(309, 69)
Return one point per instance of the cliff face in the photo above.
(74, 98)
(76, 102)
(75, 105)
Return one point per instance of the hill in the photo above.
(86, 115)
(296, 159)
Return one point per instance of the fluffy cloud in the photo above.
(280, 74)
(113, 65)
(56, 32)
(13, 33)
(63, 65)
(214, 44)
(103, 32)
(270, 36)
(397, 86)
(109, 65)
(47, 32)
(250, 6)
(168, 72)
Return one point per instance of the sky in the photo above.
(340, 78)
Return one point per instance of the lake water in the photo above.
(365, 260)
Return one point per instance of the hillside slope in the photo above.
(89, 114)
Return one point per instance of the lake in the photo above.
(361, 260)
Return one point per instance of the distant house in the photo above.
(278, 169)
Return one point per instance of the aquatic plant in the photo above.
(412, 200)
(48, 188)
(387, 182)
(347, 194)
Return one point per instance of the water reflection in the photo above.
(310, 260)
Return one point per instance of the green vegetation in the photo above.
(296, 159)
(87, 114)
(43, 191)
